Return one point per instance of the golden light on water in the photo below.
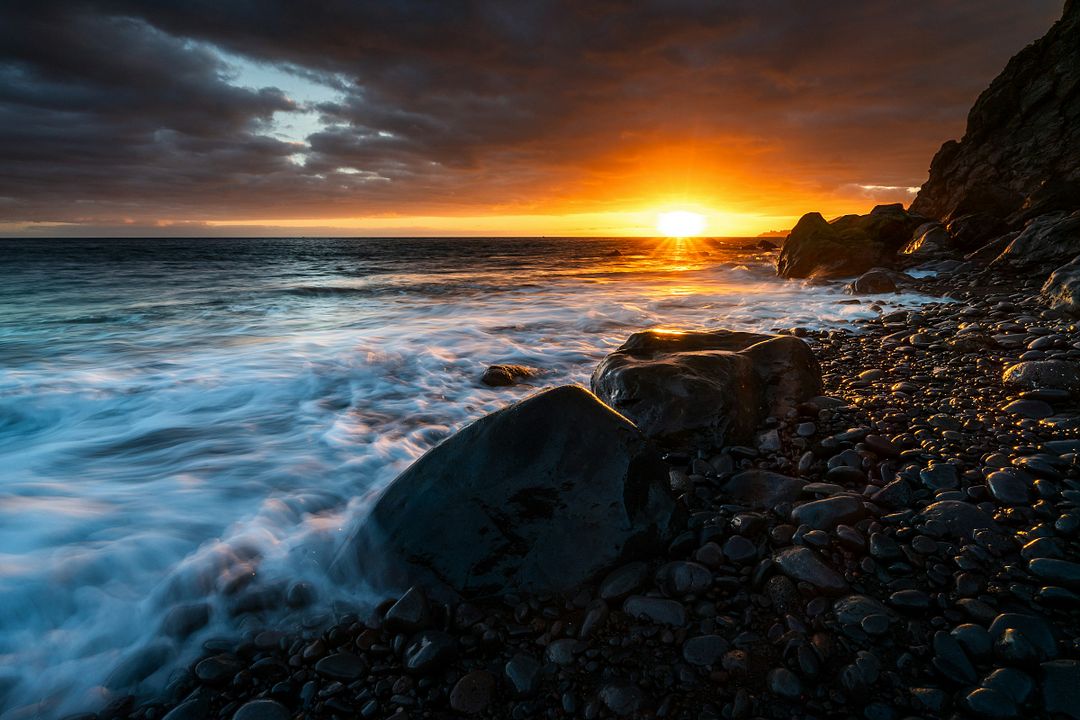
(680, 224)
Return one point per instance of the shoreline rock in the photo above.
(706, 387)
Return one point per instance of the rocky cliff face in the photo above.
(1020, 155)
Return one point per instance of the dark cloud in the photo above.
(112, 109)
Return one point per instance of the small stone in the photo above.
(1060, 572)
(740, 550)
(940, 476)
(801, 564)
(561, 652)
(988, 703)
(429, 651)
(217, 669)
(623, 581)
(621, 698)
(704, 650)
(262, 710)
(409, 614)
(472, 693)
(656, 610)
(1035, 409)
(523, 672)
(342, 666)
(950, 659)
(828, 513)
(911, 600)
(784, 683)
(1009, 486)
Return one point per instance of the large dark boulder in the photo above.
(848, 245)
(711, 387)
(1046, 241)
(539, 497)
(1062, 288)
(1020, 154)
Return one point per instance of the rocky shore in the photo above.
(879, 522)
(903, 544)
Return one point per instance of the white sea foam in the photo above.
(177, 420)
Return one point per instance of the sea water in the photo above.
(182, 418)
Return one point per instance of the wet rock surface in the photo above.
(515, 500)
(906, 545)
(712, 387)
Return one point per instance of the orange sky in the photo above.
(539, 118)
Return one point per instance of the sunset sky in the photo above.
(499, 118)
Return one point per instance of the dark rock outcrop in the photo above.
(1046, 241)
(927, 241)
(1062, 288)
(539, 496)
(710, 387)
(846, 246)
(1020, 154)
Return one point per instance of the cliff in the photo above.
(1020, 154)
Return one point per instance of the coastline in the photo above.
(764, 637)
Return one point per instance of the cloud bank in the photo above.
(118, 112)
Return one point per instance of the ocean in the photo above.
(180, 418)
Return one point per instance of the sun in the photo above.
(680, 224)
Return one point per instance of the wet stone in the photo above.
(1060, 572)
(940, 476)
(1012, 683)
(684, 578)
(784, 683)
(828, 513)
(704, 650)
(429, 651)
(951, 661)
(1035, 629)
(740, 550)
(342, 666)
(262, 710)
(216, 669)
(988, 703)
(472, 693)
(1009, 486)
(409, 614)
(624, 580)
(910, 600)
(621, 698)
(1035, 409)
(801, 564)
(523, 672)
(656, 610)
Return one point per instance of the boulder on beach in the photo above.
(506, 375)
(709, 387)
(1043, 374)
(539, 496)
(1062, 289)
(846, 246)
